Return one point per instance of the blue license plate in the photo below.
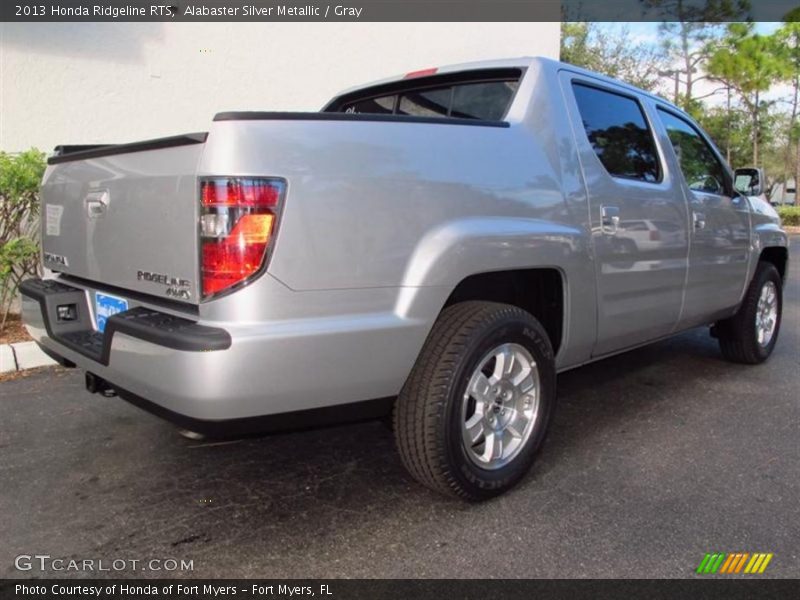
(106, 307)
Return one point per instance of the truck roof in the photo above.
(522, 62)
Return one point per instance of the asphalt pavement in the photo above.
(655, 458)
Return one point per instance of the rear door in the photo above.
(639, 222)
(720, 232)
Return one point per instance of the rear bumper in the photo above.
(240, 375)
(140, 323)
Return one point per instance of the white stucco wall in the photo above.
(85, 83)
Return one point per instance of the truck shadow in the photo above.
(354, 469)
(282, 498)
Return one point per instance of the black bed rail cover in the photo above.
(68, 153)
(355, 117)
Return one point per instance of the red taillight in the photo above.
(237, 225)
(240, 192)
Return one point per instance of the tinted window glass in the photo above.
(618, 132)
(384, 105)
(702, 170)
(487, 101)
(426, 103)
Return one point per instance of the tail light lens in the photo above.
(238, 217)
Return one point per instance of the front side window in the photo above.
(618, 133)
(701, 168)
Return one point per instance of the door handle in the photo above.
(96, 204)
(610, 219)
(699, 220)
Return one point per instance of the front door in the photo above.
(639, 217)
(720, 237)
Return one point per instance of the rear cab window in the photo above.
(481, 95)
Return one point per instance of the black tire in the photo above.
(737, 335)
(427, 416)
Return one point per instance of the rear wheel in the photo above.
(476, 406)
(750, 335)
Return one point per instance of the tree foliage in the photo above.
(691, 11)
(739, 68)
(587, 45)
(787, 40)
(20, 175)
(685, 33)
(749, 64)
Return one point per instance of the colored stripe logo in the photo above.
(734, 563)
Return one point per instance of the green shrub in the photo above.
(20, 176)
(790, 215)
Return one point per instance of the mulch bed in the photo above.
(13, 331)
(12, 375)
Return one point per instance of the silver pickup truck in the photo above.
(437, 246)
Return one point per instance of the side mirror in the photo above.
(749, 181)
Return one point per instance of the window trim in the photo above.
(647, 121)
(729, 191)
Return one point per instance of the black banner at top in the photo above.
(399, 10)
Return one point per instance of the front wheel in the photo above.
(750, 335)
(476, 406)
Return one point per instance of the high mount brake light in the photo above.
(420, 73)
(237, 226)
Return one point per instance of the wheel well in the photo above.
(778, 256)
(538, 291)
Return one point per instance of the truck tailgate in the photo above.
(126, 216)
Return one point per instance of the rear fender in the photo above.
(458, 249)
(449, 254)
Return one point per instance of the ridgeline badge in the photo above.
(176, 286)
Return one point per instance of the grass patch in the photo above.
(790, 215)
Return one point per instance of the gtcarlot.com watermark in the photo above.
(45, 562)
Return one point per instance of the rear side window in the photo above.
(480, 100)
(618, 133)
(701, 168)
